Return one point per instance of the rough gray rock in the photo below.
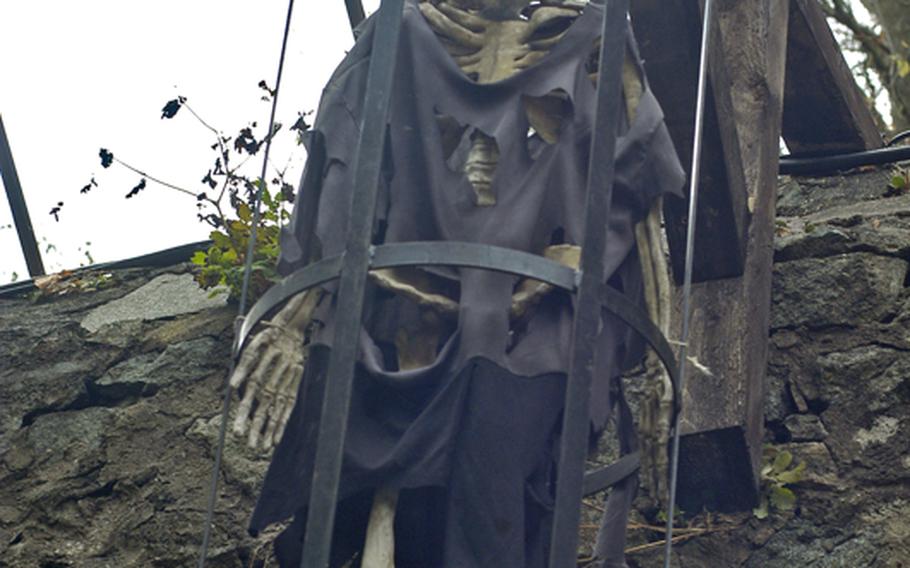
(880, 226)
(843, 290)
(100, 460)
(838, 389)
(804, 196)
(805, 428)
(166, 296)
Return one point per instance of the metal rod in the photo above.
(351, 288)
(20, 210)
(356, 14)
(690, 249)
(576, 415)
(244, 293)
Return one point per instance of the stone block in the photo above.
(844, 290)
(166, 296)
(805, 428)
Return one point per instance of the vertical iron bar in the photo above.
(352, 284)
(355, 12)
(575, 428)
(20, 210)
(690, 249)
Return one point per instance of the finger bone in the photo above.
(462, 17)
(441, 24)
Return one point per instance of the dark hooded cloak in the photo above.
(472, 441)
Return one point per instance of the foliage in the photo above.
(883, 47)
(900, 183)
(222, 265)
(68, 282)
(220, 268)
(776, 475)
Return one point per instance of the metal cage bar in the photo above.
(356, 15)
(575, 427)
(351, 268)
(20, 210)
(351, 287)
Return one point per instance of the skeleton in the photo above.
(490, 41)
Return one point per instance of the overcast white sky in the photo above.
(78, 76)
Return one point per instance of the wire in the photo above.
(244, 293)
(690, 249)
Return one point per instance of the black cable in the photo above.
(257, 214)
(838, 162)
(898, 137)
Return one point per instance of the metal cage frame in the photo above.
(350, 271)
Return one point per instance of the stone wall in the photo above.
(109, 413)
(110, 396)
(838, 386)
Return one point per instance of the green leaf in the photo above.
(220, 239)
(243, 211)
(783, 498)
(795, 475)
(229, 255)
(199, 259)
(215, 256)
(782, 462)
(761, 512)
(903, 68)
(899, 182)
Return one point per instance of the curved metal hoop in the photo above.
(486, 257)
(471, 255)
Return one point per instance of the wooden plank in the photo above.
(824, 110)
(668, 33)
(722, 421)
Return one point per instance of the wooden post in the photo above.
(722, 420)
(824, 110)
(668, 33)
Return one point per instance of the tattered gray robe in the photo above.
(472, 443)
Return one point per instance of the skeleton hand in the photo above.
(270, 370)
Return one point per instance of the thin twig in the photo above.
(204, 123)
(154, 179)
(689, 534)
(594, 506)
(659, 543)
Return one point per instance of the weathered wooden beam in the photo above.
(722, 421)
(824, 109)
(668, 33)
